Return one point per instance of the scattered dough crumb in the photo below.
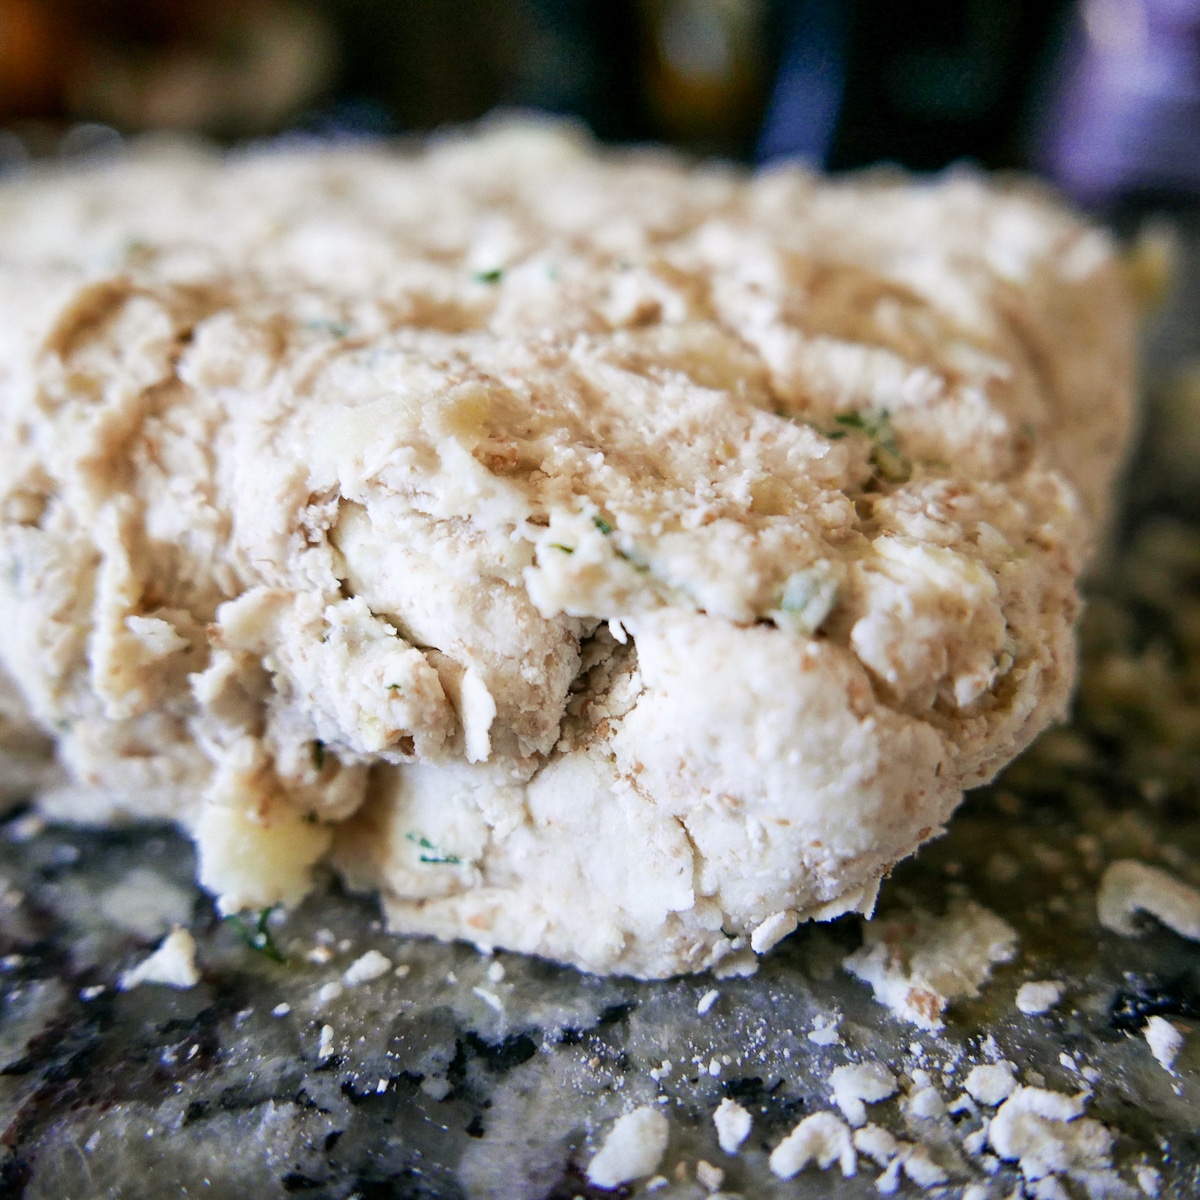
(825, 1031)
(920, 1167)
(145, 903)
(1046, 1134)
(633, 1149)
(328, 992)
(876, 1143)
(490, 999)
(926, 1104)
(772, 931)
(733, 1124)
(855, 1086)
(707, 1001)
(918, 964)
(173, 964)
(370, 966)
(991, 1084)
(281, 1010)
(325, 1043)
(976, 1141)
(822, 1139)
(1039, 997)
(1130, 887)
(1165, 1041)
(917, 1163)
(1149, 1180)
(709, 1176)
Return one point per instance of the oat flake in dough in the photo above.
(600, 557)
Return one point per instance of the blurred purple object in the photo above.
(803, 111)
(1125, 114)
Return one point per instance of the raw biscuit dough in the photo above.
(599, 557)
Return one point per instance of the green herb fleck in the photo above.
(318, 754)
(885, 453)
(434, 855)
(337, 329)
(602, 525)
(393, 687)
(853, 420)
(493, 276)
(560, 546)
(808, 598)
(258, 935)
(633, 558)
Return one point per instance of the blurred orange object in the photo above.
(218, 66)
(36, 49)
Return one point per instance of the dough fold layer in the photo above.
(600, 557)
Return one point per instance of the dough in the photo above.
(598, 556)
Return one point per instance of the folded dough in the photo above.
(601, 557)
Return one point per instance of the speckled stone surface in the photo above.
(450, 1080)
(455, 1075)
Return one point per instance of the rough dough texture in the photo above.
(600, 557)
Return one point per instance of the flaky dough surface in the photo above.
(601, 557)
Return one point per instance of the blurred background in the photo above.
(1101, 97)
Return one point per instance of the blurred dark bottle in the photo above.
(841, 83)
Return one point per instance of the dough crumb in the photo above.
(772, 931)
(1149, 1180)
(876, 1143)
(822, 1139)
(1165, 1041)
(172, 964)
(733, 1124)
(825, 1031)
(1038, 997)
(856, 1086)
(992, 1084)
(926, 1104)
(1046, 1133)
(1129, 887)
(633, 1149)
(708, 1176)
(917, 964)
(920, 1166)
(328, 992)
(370, 966)
(707, 1001)
(325, 1043)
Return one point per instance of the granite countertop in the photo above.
(451, 1074)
